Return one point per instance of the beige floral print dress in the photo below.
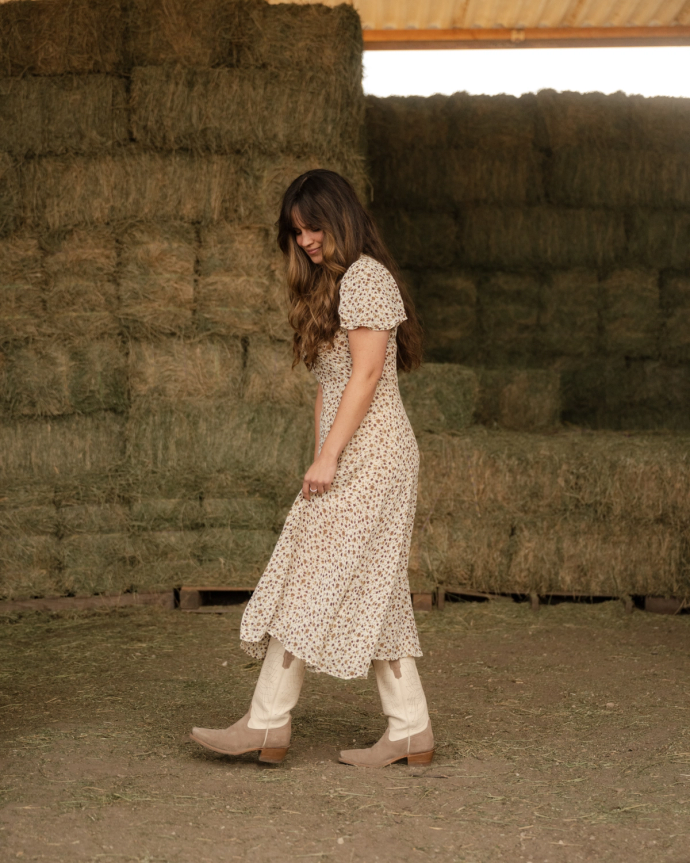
(335, 592)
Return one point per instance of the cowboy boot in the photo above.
(409, 733)
(267, 725)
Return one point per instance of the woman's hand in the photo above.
(319, 477)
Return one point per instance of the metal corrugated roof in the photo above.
(493, 23)
(515, 14)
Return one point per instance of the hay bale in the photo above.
(9, 195)
(660, 238)
(404, 124)
(26, 583)
(239, 287)
(67, 191)
(90, 446)
(586, 556)
(646, 394)
(81, 296)
(462, 551)
(581, 178)
(54, 380)
(631, 314)
(157, 279)
(569, 313)
(216, 33)
(92, 519)
(240, 551)
(33, 520)
(583, 119)
(167, 514)
(439, 397)
(269, 376)
(309, 37)
(33, 552)
(28, 565)
(254, 513)
(215, 110)
(58, 37)
(35, 382)
(445, 179)
(491, 121)
(675, 299)
(519, 399)
(174, 369)
(508, 310)
(632, 478)
(264, 448)
(76, 114)
(447, 303)
(211, 33)
(163, 546)
(419, 240)
(21, 287)
(537, 237)
(660, 123)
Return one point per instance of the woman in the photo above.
(335, 595)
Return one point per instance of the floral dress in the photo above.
(335, 592)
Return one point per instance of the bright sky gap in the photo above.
(652, 71)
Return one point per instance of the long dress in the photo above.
(335, 592)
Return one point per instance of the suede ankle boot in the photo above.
(409, 733)
(267, 725)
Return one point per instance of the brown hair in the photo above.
(324, 201)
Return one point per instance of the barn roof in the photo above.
(501, 23)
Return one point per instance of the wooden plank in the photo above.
(78, 603)
(664, 605)
(529, 37)
(422, 601)
(190, 597)
(440, 598)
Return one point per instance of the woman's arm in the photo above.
(318, 404)
(368, 351)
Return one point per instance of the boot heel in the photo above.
(273, 756)
(421, 758)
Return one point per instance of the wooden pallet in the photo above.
(193, 598)
(78, 603)
(205, 599)
(655, 604)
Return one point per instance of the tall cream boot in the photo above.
(267, 726)
(409, 733)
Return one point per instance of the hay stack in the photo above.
(151, 431)
(514, 512)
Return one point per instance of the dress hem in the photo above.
(319, 669)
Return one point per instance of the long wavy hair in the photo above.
(324, 201)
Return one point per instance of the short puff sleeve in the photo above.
(369, 297)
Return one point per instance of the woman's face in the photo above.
(309, 240)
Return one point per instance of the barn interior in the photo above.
(153, 435)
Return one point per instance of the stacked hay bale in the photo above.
(544, 239)
(151, 431)
(547, 232)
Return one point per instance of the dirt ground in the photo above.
(562, 735)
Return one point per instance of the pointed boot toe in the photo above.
(239, 739)
(418, 749)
